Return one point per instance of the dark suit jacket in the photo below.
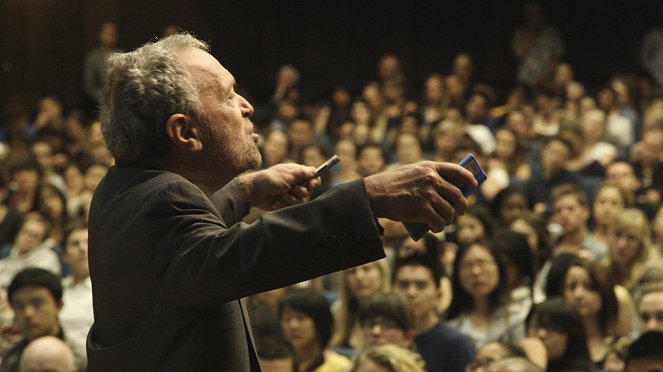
(168, 265)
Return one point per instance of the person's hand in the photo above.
(535, 350)
(279, 186)
(420, 192)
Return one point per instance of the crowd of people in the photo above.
(557, 265)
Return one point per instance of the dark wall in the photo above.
(43, 42)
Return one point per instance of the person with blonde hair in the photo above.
(632, 261)
(387, 358)
(359, 285)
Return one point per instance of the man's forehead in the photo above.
(202, 64)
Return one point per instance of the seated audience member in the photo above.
(358, 285)
(52, 204)
(386, 319)
(535, 229)
(555, 153)
(587, 286)
(77, 314)
(557, 324)
(28, 250)
(47, 353)
(370, 159)
(645, 353)
(610, 199)
(571, 211)
(479, 307)
(650, 308)
(632, 261)
(417, 280)
(509, 204)
(519, 264)
(10, 218)
(476, 224)
(387, 358)
(24, 175)
(307, 324)
(490, 353)
(275, 354)
(514, 364)
(35, 295)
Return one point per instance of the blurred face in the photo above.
(518, 123)
(608, 203)
(581, 292)
(554, 340)
(469, 228)
(520, 226)
(513, 207)
(27, 180)
(408, 149)
(43, 153)
(476, 108)
(554, 157)
(312, 156)
(488, 354)
(506, 144)
(371, 161)
(384, 331)
(657, 225)
(300, 133)
(625, 245)
(650, 312)
(74, 180)
(479, 274)
(94, 175)
(31, 234)
(434, 89)
(75, 252)
(35, 312)
(347, 153)
(276, 147)
(415, 284)
(298, 328)
(364, 281)
(51, 203)
(623, 174)
(569, 213)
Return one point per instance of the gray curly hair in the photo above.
(144, 88)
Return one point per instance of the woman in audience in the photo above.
(657, 227)
(557, 324)
(609, 201)
(479, 307)
(477, 223)
(632, 261)
(509, 155)
(52, 204)
(519, 264)
(509, 204)
(359, 285)
(307, 324)
(534, 227)
(587, 286)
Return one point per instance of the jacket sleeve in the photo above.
(198, 260)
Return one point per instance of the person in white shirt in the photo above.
(77, 315)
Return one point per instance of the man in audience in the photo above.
(35, 296)
(417, 280)
(650, 308)
(645, 353)
(386, 319)
(28, 250)
(571, 211)
(47, 354)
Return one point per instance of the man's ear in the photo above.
(184, 132)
